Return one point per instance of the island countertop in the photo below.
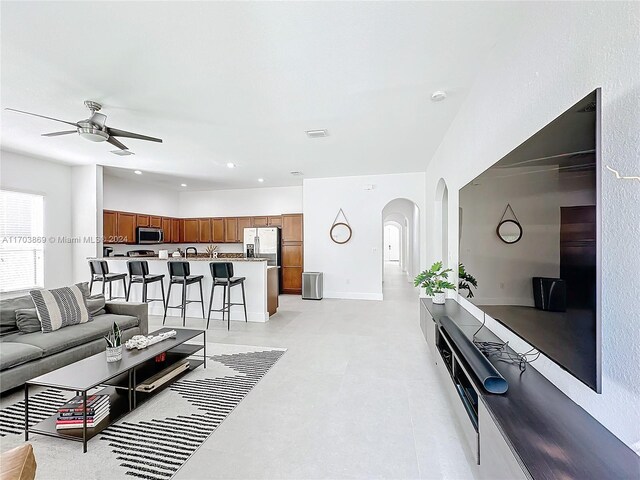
(183, 259)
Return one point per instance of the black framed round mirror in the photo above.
(340, 233)
(509, 231)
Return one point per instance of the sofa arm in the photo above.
(140, 310)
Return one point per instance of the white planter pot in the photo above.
(114, 354)
(438, 298)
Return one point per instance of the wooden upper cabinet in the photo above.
(275, 221)
(126, 227)
(231, 230)
(142, 220)
(243, 222)
(109, 226)
(217, 227)
(190, 231)
(177, 230)
(204, 230)
(292, 228)
(156, 222)
(165, 224)
(260, 221)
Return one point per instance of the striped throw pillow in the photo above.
(60, 307)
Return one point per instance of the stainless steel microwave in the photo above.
(149, 235)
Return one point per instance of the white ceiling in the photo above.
(241, 82)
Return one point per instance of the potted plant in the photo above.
(435, 281)
(114, 344)
(466, 281)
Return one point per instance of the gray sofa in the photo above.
(26, 355)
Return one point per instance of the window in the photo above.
(21, 241)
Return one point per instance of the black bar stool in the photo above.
(180, 273)
(222, 273)
(100, 273)
(139, 273)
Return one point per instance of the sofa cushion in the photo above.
(13, 354)
(96, 304)
(27, 320)
(8, 307)
(60, 307)
(74, 335)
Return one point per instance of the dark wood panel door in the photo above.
(218, 230)
(204, 230)
(243, 222)
(165, 224)
(177, 230)
(109, 226)
(142, 220)
(292, 280)
(260, 221)
(191, 230)
(231, 230)
(292, 228)
(292, 255)
(126, 227)
(275, 221)
(155, 221)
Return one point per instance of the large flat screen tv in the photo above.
(530, 235)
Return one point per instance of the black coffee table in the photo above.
(119, 378)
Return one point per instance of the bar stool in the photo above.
(222, 273)
(139, 273)
(100, 273)
(180, 274)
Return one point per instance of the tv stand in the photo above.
(533, 431)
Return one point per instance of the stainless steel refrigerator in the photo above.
(265, 242)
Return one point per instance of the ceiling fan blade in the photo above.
(42, 116)
(114, 132)
(57, 134)
(117, 143)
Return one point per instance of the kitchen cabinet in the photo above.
(292, 228)
(204, 230)
(190, 231)
(142, 220)
(292, 254)
(217, 227)
(231, 230)
(275, 221)
(156, 222)
(165, 224)
(177, 230)
(126, 227)
(109, 226)
(243, 222)
(260, 221)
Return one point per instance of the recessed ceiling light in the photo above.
(183, 184)
(438, 96)
(317, 133)
(296, 173)
(137, 172)
(231, 165)
(261, 180)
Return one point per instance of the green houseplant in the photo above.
(114, 344)
(435, 281)
(466, 281)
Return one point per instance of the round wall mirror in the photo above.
(509, 231)
(340, 233)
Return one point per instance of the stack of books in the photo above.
(71, 414)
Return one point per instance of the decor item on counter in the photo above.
(509, 231)
(140, 341)
(435, 282)
(212, 251)
(177, 253)
(466, 281)
(340, 232)
(163, 254)
(114, 344)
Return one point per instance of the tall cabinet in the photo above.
(292, 253)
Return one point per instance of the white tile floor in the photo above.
(355, 396)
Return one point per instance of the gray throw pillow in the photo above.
(27, 320)
(96, 305)
(60, 307)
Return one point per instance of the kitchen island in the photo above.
(257, 285)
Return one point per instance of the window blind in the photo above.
(21, 241)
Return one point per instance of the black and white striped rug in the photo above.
(156, 439)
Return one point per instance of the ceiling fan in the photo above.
(94, 129)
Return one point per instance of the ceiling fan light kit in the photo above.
(94, 129)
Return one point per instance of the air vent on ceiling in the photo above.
(317, 133)
(296, 174)
(122, 153)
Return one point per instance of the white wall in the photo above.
(132, 196)
(241, 202)
(86, 217)
(559, 54)
(53, 180)
(352, 270)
